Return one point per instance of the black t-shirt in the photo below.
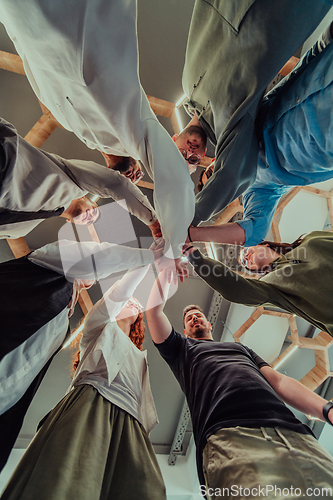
(224, 388)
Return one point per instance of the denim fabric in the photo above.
(234, 50)
(297, 147)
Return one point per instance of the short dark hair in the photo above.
(195, 129)
(283, 248)
(189, 308)
(123, 165)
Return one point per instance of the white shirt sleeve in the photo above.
(89, 260)
(112, 302)
(106, 183)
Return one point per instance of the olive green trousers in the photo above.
(87, 449)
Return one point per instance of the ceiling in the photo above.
(162, 33)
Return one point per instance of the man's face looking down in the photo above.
(191, 143)
(126, 165)
(196, 325)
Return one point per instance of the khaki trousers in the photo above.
(269, 463)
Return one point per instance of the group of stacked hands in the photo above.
(263, 145)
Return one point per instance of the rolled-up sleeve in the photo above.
(259, 207)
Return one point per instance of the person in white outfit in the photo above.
(94, 444)
(41, 290)
(36, 185)
(81, 59)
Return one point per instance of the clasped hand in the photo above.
(173, 267)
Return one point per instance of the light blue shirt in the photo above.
(297, 138)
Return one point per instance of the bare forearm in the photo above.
(231, 233)
(296, 394)
(158, 294)
(301, 398)
(158, 324)
(127, 284)
(305, 400)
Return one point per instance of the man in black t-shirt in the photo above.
(248, 442)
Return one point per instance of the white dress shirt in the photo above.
(19, 367)
(36, 180)
(110, 362)
(81, 59)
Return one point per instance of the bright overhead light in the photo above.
(211, 250)
(181, 100)
(72, 337)
(286, 357)
(310, 417)
(95, 197)
(179, 120)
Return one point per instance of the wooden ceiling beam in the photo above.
(293, 330)
(278, 314)
(287, 198)
(319, 192)
(249, 322)
(275, 229)
(229, 212)
(19, 247)
(145, 184)
(289, 66)
(93, 233)
(320, 345)
(85, 301)
(321, 342)
(319, 373)
(175, 121)
(11, 62)
(283, 355)
(41, 130)
(161, 107)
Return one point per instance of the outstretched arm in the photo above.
(112, 302)
(128, 110)
(231, 285)
(125, 287)
(158, 324)
(225, 233)
(259, 203)
(89, 260)
(233, 172)
(296, 394)
(108, 183)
